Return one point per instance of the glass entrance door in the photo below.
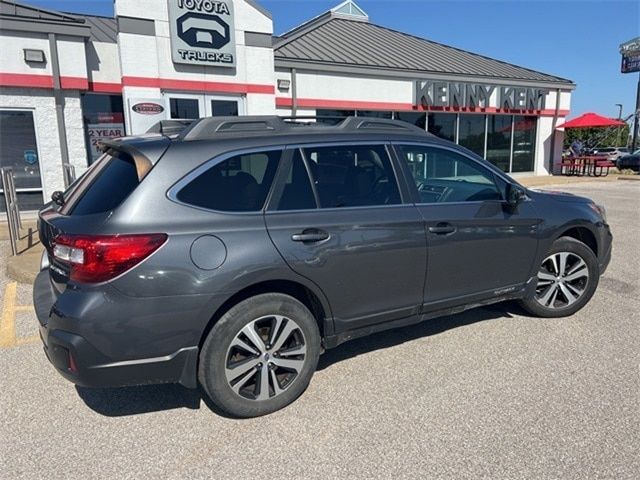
(19, 150)
(220, 106)
(198, 106)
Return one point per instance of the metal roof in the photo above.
(18, 16)
(331, 39)
(17, 9)
(103, 29)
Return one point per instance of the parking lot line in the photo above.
(8, 326)
(8, 320)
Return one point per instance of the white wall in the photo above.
(103, 62)
(350, 87)
(12, 56)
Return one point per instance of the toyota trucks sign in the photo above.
(202, 32)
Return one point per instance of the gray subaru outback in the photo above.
(229, 253)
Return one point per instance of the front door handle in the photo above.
(310, 235)
(442, 228)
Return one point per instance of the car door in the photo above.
(337, 217)
(477, 247)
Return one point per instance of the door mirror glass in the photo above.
(515, 195)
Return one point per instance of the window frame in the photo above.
(285, 163)
(409, 179)
(175, 189)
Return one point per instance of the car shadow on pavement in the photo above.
(391, 338)
(118, 402)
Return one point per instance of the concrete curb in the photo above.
(635, 178)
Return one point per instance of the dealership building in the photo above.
(68, 81)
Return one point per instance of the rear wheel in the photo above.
(260, 356)
(567, 279)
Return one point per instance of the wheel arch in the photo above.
(582, 234)
(314, 302)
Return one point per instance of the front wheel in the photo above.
(567, 279)
(260, 356)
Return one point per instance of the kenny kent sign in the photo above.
(202, 32)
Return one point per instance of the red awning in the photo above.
(591, 120)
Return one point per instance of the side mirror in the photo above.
(515, 195)
(58, 198)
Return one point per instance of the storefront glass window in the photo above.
(499, 141)
(443, 125)
(375, 113)
(333, 117)
(103, 120)
(471, 133)
(418, 119)
(19, 150)
(524, 140)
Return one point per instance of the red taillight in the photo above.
(98, 258)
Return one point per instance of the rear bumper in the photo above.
(79, 361)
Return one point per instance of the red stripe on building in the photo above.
(105, 87)
(25, 80)
(74, 83)
(287, 102)
(29, 80)
(196, 85)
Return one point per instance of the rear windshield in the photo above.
(104, 186)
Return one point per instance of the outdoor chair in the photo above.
(601, 168)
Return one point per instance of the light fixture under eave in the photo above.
(284, 84)
(33, 56)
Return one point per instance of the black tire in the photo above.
(217, 354)
(575, 248)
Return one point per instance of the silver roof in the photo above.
(103, 29)
(335, 40)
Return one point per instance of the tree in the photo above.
(598, 137)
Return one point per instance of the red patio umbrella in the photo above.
(591, 120)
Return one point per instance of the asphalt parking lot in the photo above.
(490, 393)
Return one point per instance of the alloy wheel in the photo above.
(265, 357)
(562, 280)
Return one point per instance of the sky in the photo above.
(574, 39)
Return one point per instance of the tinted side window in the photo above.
(445, 176)
(113, 179)
(297, 193)
(352, 176)
(237, 184)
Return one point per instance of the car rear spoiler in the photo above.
(174, 126)
(145, 151)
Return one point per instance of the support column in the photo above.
(58, 95)
(636, 118)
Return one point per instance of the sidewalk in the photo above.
(24, 267)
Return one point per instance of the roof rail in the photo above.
(372, 123)
(210, 127)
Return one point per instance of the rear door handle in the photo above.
(442, 228)
(310, 235)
